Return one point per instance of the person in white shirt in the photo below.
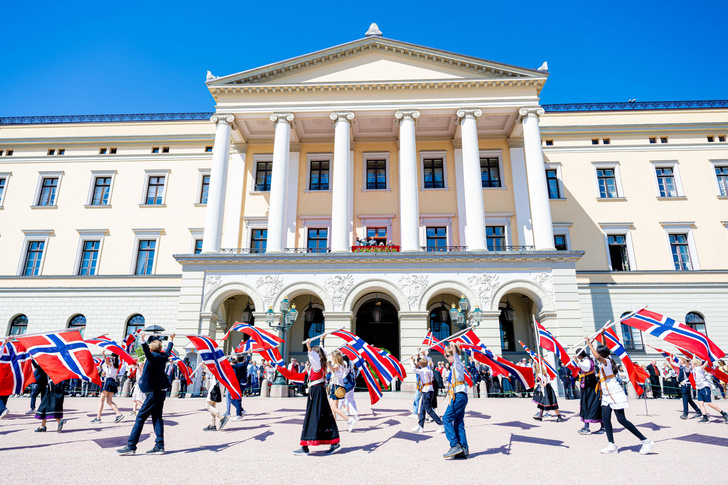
(454, 416)
(214, 396)
(110, 369)
(339, 370)
(702, 384)
(425, 376)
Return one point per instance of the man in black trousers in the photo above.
(154, 383)
(654, 379)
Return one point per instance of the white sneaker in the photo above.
(441, 429)
(356, 417)
(4, 413)
(646, 446)
(418, 429)
(412, 416)
(352, 423)
(612, 448)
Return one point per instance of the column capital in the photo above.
(222, 118)
(464, 114)
(295, 147)
(402, 115)
(457, 143)
(282, 118)
(534, 111)
(241, 147)
(515, 142)
(337, 116)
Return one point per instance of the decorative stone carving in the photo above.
(373, 31)
(469, 113)
(544, 67)
(212, 281)
(407, 115)
(536, 112)
(413, 286)
(484, 285)
(269, 286)
(282, 118)
(338, 286)
(545, 280)
(347, 116)
(222, 118)
(210, 76)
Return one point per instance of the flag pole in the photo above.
(321, 336)
(455, 335)
(66, 330)
(538, 343)
(606, 326)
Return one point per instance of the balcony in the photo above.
(379, 249)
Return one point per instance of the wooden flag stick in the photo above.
(321, 336)
(456, 335)
(607, 325)
(66, 330)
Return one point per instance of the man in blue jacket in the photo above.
(154, 383)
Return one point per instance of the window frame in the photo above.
(250, 223)
(80, 328)
(195, 234)
(715, 164)
(617, 179)
(562, 229)
(146, 235)
(39, 187)
(673, 164)
(319, 157)
(434, 220)
(34, 236)
(504, 219)
(559, 181)
(148, 174)
(379, 221)
(95, 174)
(433, 154)
(704, 324)
(366, 157)
(12, 320)
(682, 228)
(6, 176)
(308, 238)
(316, 222)
(493, 154)
(619, 229)
(204, 172)
(446, 238)
(257, 158)
(89, 235)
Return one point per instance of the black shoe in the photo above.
(210, 428)
(683, 416)
(301, 451)
(40, 429)
(703, 419)
(466, 451)
(157, 450)
(697, 415)
(538, 418)
(333, 449)
(455, 450)
(127, 450)
(560, 419)
(600, 431)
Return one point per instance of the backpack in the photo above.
(349, 382)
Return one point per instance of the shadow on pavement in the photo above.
(213, 448)
(706, 440)
(517, 424)
(501, 450)
(116, 441)
(653, 426)
(538, 441)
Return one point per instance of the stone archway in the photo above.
(377, 322)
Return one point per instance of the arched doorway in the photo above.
(516, 324)
(238, 308)
(377, 322)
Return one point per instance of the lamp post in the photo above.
(459, 315)
(287, 318)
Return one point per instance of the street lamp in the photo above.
(288, 317)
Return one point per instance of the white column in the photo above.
(234, 200)
(459, 190)
(277, 206)
(473, 188)
(218, 175)
(294, 159)
(409, 212)
(341, 183)
(543, 228)
(520, 192)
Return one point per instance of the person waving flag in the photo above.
(549, 369)
(384, 368)
(266, 339)
(375, 393)
(217, 363)
(107, 344)
(16, 369)
(636, 374)
(62, 355)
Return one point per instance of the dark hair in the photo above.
(321, 353)
(114, 361)
(604, 351)
(581, 353)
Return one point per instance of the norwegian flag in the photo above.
(671, 359)
(476, 349)
(274, 357)
(16, 369)
(549, 370)
(215, 360)
(549, 342)
(431, 342)
(636, 373)
(678, 334)
(294, 377)
(250, 345)
(130, 340)
(265, 339)
(183, 368)
(107, 344)
(573, 367)
(398, 367)
(98, 362)
(382, 366)
(523, 374)
(62, 355)
(375, 393)
(720, 375)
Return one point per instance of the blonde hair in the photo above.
(338, 358)
(155, 346)
(423, 362)
(536, 368)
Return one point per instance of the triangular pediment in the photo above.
(377, 60)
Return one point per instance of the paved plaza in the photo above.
(507, 446)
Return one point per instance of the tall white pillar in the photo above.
(543, 227)
(409, 212)
(277, 206)
(234, 199)
(218, 181)
(473, 187)
(341, 183)
(520, 192)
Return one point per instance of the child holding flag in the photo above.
(453, 419)
(683, 380)
(547, 397)
(702, 384)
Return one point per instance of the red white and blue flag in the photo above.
(217, 363)
(16, 369)
(720, 375)
(523, 374)
(637, 375)
(274, 357)
(183, 368)
(544, 365)
(130, 340)
(107, 344)
(671, 359)
(250, 345)
(678, 334)
(62, 355)
(431, 342)
(375, 392)
(550, 343)
(396, 364)
(382, 367)
(483, 355)
(98, 362)
(266, 339)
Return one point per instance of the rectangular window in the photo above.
(198, 246)
(51, 151)
(663, 139)
(489, 172)
(263, 172)
(9, 153)
(711, 139)
(257, 240)
(680, 252)
(434, 173)
(155, 149)
(155, 190)
(48, 192)
(102, 189)
(145, 257)
(317, 240)
(319, 176)
(653, 139)
(3, 182)
(553, 184)
(632, 338)
(112, 151)
(378, 234)
(606, 141)
(436, 238)
(495, 238)
(376, 174)
(722, 174)
(205, 189)
(61, 151)
(89, 258)
(165, 149)
(208, 149)
(721, 138)
(549, 143)
(607, 183)
(560, 242)
(666, 181)
(102, 151)
(33, 258)
(618, 255)
(595, 141)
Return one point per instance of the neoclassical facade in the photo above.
(372, 184)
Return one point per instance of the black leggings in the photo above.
(607, 420)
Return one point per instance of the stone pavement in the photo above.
(506, 444)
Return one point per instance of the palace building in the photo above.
(373, 185)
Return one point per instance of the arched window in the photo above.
(19, 325)
(135, 322)
(313, 324)
(631, 337)
(695, 321)
(78, 322)
(440, 322)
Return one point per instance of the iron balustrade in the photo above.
(307, 250)
(30, 120)
(443, 249)
(375, 249)
(635, 105)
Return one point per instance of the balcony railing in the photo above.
(372, 249)
(308, 250)
(375, 249)
(443, 249)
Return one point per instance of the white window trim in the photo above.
(89, 235)
(433, 154)
(251, 223)
(617, 179)
(559, 181)
(366, 156)
(319, 157)
(94, 175)
(503, 219)
(673, 164)
(195, 233)
(682, 228)
(259, 157)
(198, 196)
(493, 154)
(316, 222)
(6, 176)
(619, 229)
(146, 235)
(562, 229)
(32, 235)
(39, 186)
(436, 220)
(719, 163)
(377, 221)
(145, 189)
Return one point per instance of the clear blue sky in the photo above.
(136, 57)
